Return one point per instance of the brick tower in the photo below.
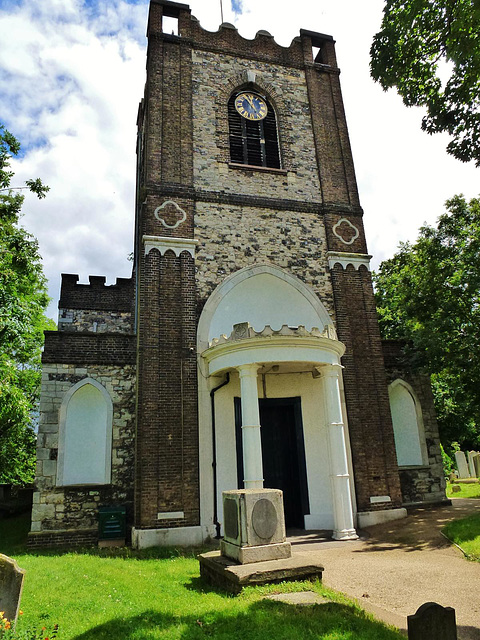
(212, 202)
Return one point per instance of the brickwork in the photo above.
(89, 348)
(370, 424)
(96, 295)
(167, 443)
(70, 538)
(167, 431)
(75, 507)
(426, 483)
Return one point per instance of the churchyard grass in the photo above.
(157, 595)
(466, 490)
(466, 533)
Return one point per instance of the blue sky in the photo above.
(237, 6)
(72, 74)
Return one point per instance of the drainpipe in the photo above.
(214, 463)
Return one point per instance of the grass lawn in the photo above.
(158, 594)
(466, 533)
(466, 491)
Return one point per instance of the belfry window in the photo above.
(253, 131)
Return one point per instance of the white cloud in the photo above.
(72, 75)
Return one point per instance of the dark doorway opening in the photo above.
(283, 454)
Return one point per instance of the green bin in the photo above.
(111, 523)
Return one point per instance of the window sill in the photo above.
(88, 486)
(251, 167)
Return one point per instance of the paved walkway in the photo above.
(396, 567)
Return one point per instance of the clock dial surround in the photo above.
(251, 106)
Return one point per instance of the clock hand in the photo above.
(250, 101)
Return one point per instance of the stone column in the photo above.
(342, 501)
(251, 440)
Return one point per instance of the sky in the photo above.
(72, 74)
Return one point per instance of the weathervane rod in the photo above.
(221, 10)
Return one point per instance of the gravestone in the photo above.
(462, 465)
(471, 467)
(476, 464)
(432, 622)
(11, 583)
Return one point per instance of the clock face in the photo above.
(251, 106)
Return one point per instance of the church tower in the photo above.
(245, 350)
(259, 353)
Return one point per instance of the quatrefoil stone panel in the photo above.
(346, 231)
(170, 214)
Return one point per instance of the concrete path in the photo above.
(396, 567)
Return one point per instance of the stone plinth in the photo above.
(227, 574)
(259, 553)
(254, 526)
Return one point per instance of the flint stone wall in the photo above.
(76, 507)
(80, 320)
(231, 238)
(214, 78)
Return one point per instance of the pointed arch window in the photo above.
(253, 142)
(408, 427)
(85, 438)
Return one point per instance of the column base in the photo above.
(345, 534)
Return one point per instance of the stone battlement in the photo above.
(96, 295)
(227, 38)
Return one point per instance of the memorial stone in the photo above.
(11, 584)
(476, 464)
(432, 622)
(462, 465)
(471, 467)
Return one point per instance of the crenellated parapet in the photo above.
(96, 307)
(227, 39)
(96, 294)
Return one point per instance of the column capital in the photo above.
(247, 370)
(330, 370)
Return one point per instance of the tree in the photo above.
(421, 42)
(23, 300)
(428, 294)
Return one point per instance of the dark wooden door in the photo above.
(283, 454)
(281, 469)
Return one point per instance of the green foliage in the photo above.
(23, 300)
(420, 43)
(428, 294)
(466, 533)
(448, 465)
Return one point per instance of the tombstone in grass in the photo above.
(432, 622)
(461, 465)
(476, 464)
(11, 583)
(471, 466)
